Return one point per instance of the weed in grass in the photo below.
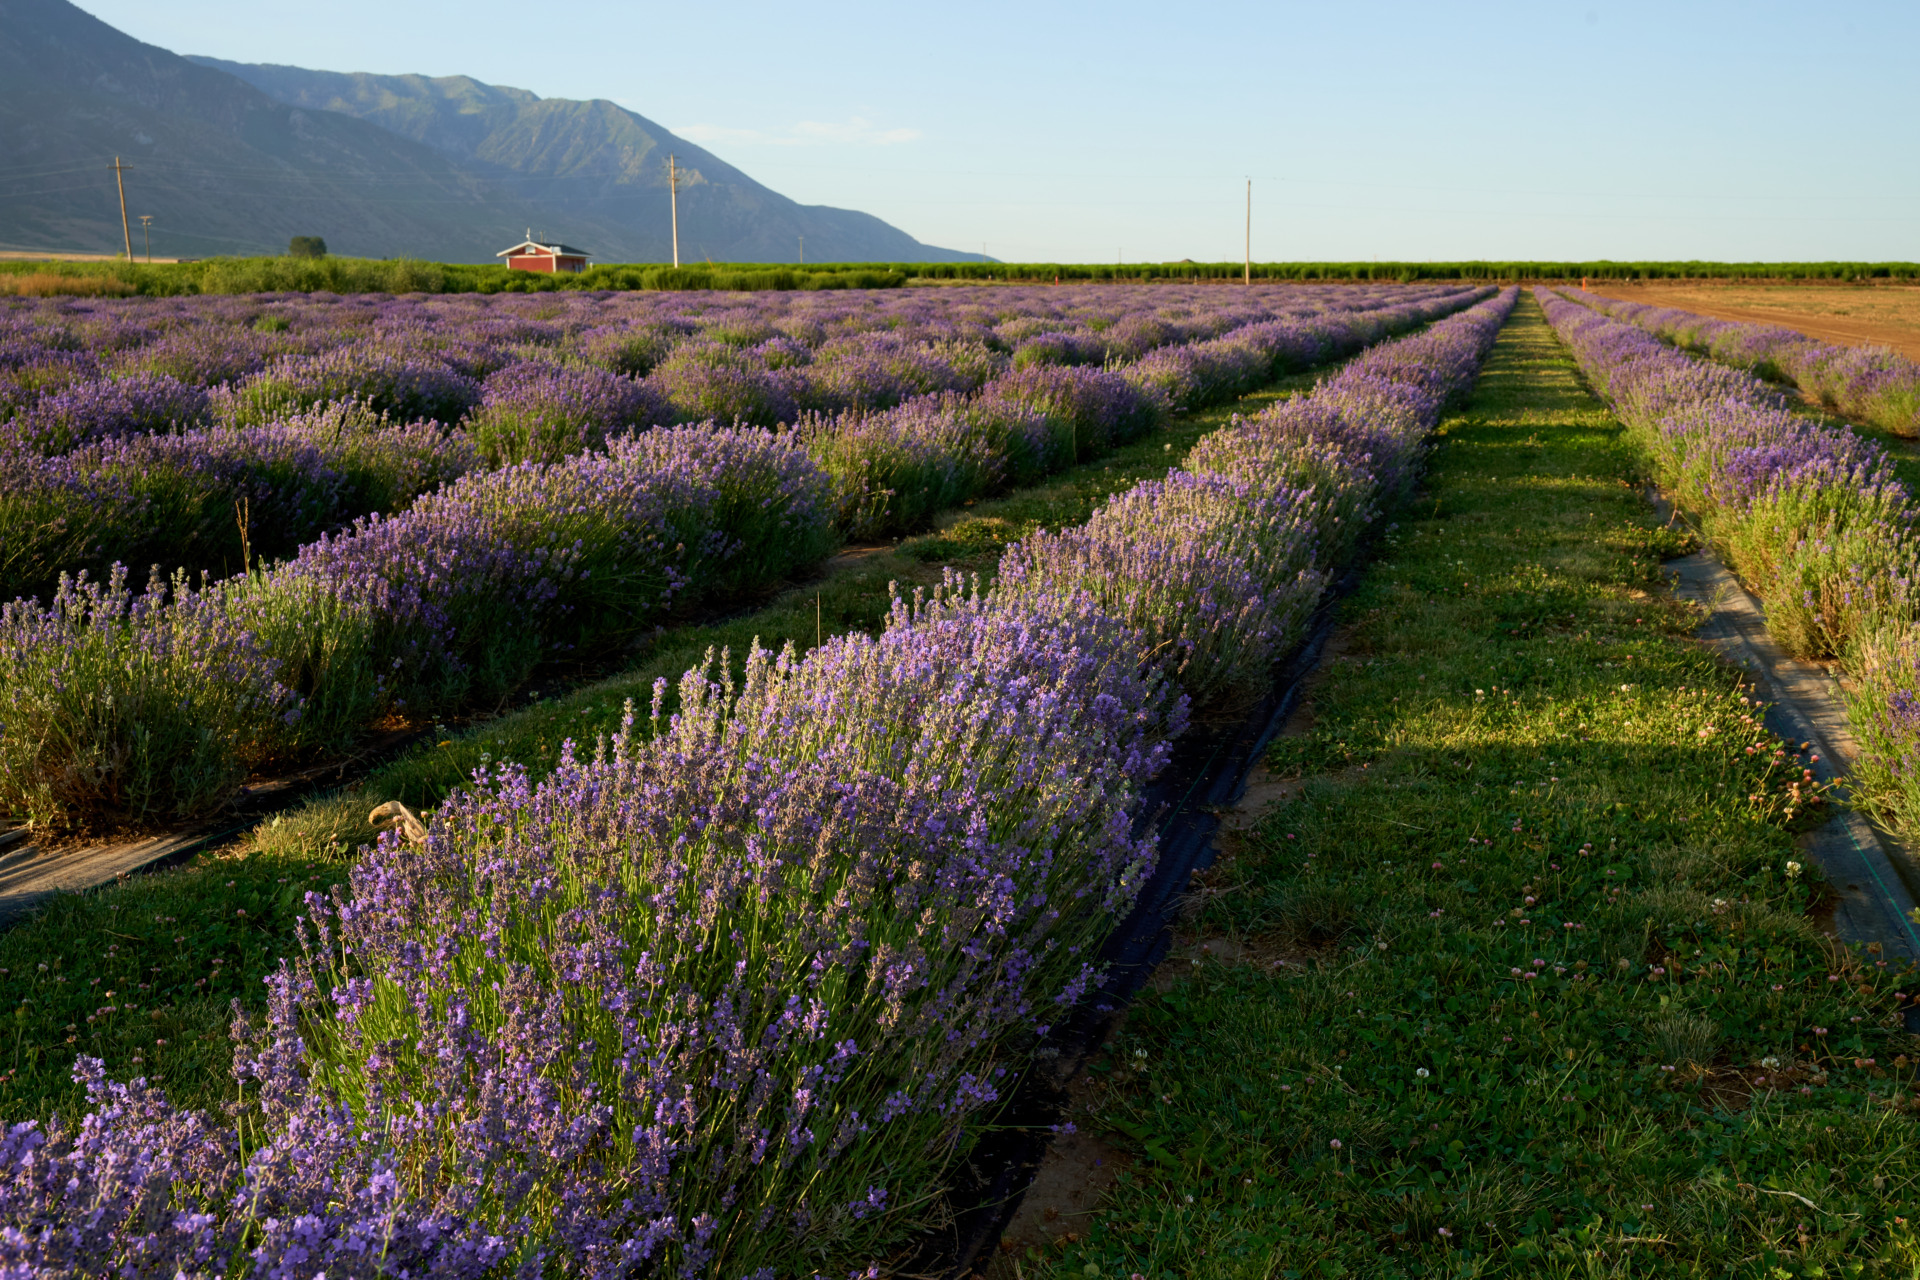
(1686, 1038)
(1561, 1010)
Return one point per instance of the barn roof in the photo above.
(534, 246)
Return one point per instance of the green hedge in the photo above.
(368, 275)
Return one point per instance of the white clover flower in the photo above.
(1793, 870)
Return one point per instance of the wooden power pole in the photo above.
(1247, 279)
(673, 196)
(126, 232)
(146, 233)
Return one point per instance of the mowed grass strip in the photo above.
(143, 973)
(1520, 977)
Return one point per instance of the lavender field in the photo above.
(240, 531)
(739, 985)
(748, 976)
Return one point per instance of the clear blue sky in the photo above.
(1088, 132)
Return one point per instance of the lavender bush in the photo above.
(460, 595)
(891, 471)
(408, 387)
(211, 499)
(29, 372)
(632, 350)
(542, 412)
(805, 923)
(129, 708)
(1093, 411)
(206, 356)
(716, 382)
(1809, 514)
(1213, 576)
(1303, 450)
(103, 409)
(1874, 384)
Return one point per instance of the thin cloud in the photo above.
(855, 132)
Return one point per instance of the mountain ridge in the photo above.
(226, 167)
(595, 160)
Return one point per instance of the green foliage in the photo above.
(1517, 979)
(307, 247)
(368, 275)
(1407, 272)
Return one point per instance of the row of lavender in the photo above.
(1807, 513)
(73, 371)
(733, 997)
(1873, 384)
(123, 467)
(894, 468)
(120, 705)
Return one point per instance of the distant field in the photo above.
(56, 255)
(370, 275)
(1886, 315)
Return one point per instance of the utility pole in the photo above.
(126, 232)
(146, 234)
(673, 195)
(1248, 280)
(803, 251)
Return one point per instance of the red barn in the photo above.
(531, 255)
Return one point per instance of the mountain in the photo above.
(595, 163)
(224, 166)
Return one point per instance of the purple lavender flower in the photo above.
(716, 382)
(409, 387)
(210, 499)
(541, 412)
(103, 409)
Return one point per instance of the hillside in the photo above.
(385, 167)
(595, 163)
(222, 167)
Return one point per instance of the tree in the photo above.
(307, 247)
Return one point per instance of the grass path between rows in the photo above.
(1522, 977)
(142, 973)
